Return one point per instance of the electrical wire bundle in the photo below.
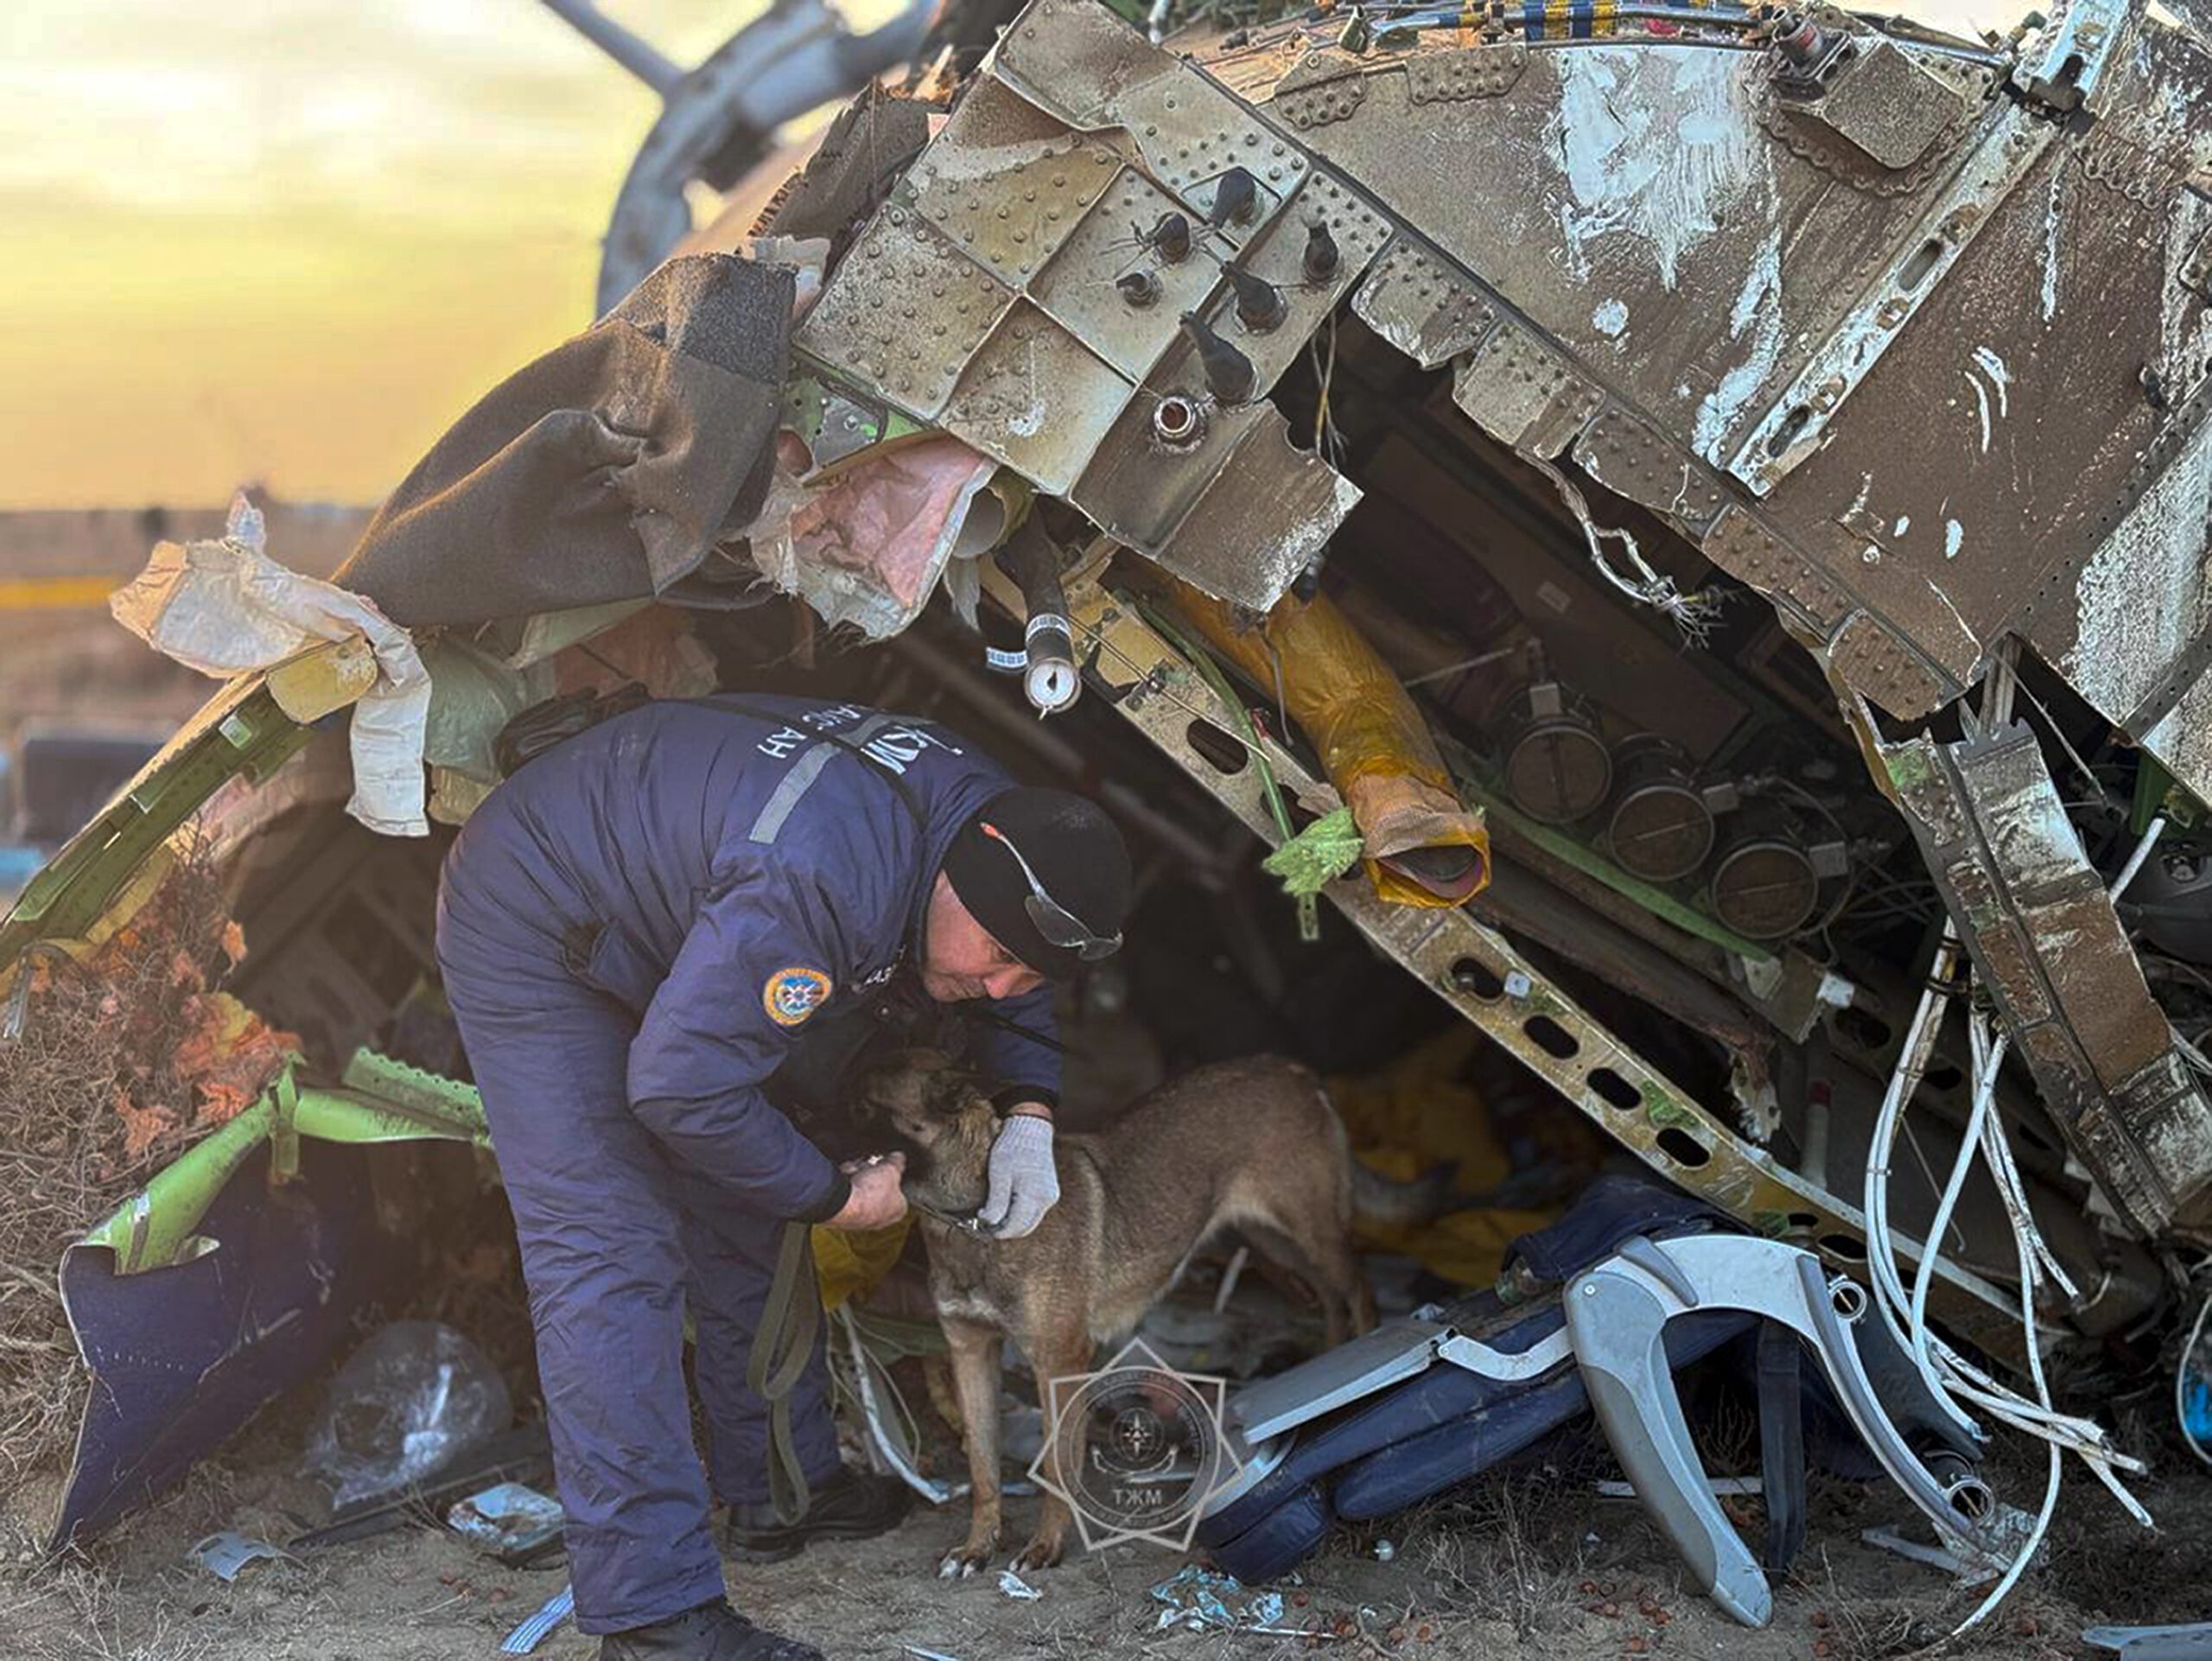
(1905, 1311)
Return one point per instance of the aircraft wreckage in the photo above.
(1720, 495)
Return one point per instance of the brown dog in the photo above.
(1253, 1145)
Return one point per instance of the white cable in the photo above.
(1693, 614)
(896, 1457)
(2150, 832)
(1944, 1368)
(2012, 1189)
(1956, 1379)
(2026, 1554)
(1986, 1058)
(1890, 1299)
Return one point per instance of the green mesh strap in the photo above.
(790, 1321)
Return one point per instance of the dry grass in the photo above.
(1504, 1549)
(92, 1102)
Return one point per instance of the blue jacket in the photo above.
(728, 878)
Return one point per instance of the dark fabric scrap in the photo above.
(859, 158)
(608, 470)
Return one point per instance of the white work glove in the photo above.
(1024, 1184)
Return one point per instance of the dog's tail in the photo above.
(1381, 1201)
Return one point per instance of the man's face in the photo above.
(960, 960)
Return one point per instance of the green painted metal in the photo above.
(404, 1091)
(154, 1227)
(241, 730)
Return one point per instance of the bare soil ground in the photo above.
(1528, 1565)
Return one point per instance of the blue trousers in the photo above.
(618, 1241)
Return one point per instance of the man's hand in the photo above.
(876, 1201)
(1023, 1184)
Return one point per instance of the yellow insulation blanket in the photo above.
(1418, 1114)
(1371, 739)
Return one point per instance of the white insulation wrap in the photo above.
(223, 606)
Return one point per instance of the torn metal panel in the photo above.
(1633, 459)
(1006, 183)
(1873, 658)
(1079, 287)
(1320, 87)
(1017, 290)
(1075, 58)
(1233, 507)
(1454, 73)
(870, 323)
(2137, 636)
(1277, 256)
(1188, 134)
(1675, 241)
(1421, 307)
(2045, 939)
(1634, 207)
(1661, 249)
(1523, 393)
(2076, 50)
(1792, 426)
(2027, 384)
(1749, 550)
(1261, 520)
(1034, 397)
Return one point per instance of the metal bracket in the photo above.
(2063, 69)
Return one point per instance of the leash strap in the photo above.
(791, 1320)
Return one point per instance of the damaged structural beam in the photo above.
(1481, 975)
(2044, 937)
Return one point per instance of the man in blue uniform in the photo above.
(651, 935)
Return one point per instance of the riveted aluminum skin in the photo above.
(985, 295)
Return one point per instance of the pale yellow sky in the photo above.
(290, 240)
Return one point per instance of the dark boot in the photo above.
(846, 1507)
(713, 1631)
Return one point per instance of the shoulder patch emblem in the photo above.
(792, 995)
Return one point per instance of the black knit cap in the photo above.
(1076, 853)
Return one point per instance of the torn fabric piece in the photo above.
(866, 546)
(608, 469)
(223, 606)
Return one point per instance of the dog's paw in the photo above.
(1041, 1552)
(963, 1561)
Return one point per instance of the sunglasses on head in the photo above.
(1060, 926)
